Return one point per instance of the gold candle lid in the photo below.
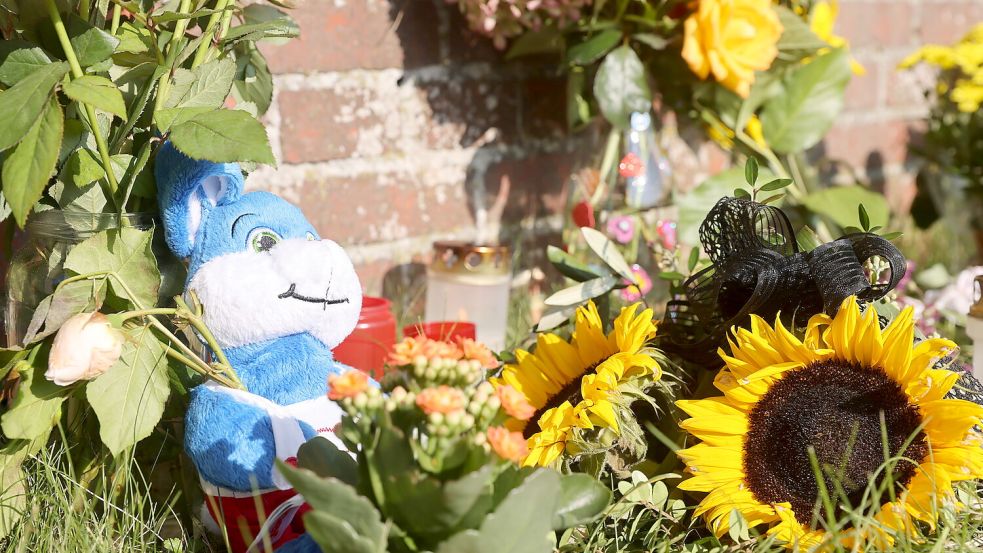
(976, 310)
(468, 258)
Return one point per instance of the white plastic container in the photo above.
(469, 282)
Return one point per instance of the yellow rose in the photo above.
(731, 39)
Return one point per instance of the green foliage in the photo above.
(812, 97)
(223, 136)
(841, 205)
(32, 161)
(620, 87)
(129, 398)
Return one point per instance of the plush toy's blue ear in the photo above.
(187, 190)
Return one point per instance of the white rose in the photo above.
(84, 347)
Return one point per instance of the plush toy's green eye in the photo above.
(311, 237)
(262, 239)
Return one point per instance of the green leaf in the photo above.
(751, 171)
(518, 525)
(797, 40)
(807, 239)
(223, 136)
(335, 498)
(892, 235)
(168, 16)
(91, 44)
(125, 252)
(568, 266)
(37, 406)
(772, 199)
(547, 40)
(98, 92)
(554, 317)
(799, 118)
(13, 495)
(253, 80)
(839, 203)
(82, 167)
(18, 59)
(864, 218)
(594, 48)
(582, 291)
(29, 166)
(322, 457)
(776, 184)
(651, 40)
(607, 251)
(742, 193)
(134, 39)
(694, 258)
(335, 534)
(620, 87)
(283, 27)
(22, 105)
(206, 86)
(69, 299)
(694, 205)
(129, 398)
(582, 498)
(165, 118)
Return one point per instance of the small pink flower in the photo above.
(621, 228)
(667, 231)
(631, 166)
(641, 286)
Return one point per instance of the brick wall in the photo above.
(394, 126)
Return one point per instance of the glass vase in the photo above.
(38, 266)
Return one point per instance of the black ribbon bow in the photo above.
(758, 269)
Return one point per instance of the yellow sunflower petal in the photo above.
(589, 337)
(950, 420)
(631, 332)
(897, 354)
(931, 384)
(843, 330)
(708, 407)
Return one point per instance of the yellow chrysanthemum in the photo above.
(573, 384)
(829, 393)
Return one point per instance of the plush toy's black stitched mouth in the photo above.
(290, 293)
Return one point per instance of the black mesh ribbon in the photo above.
(758, 269)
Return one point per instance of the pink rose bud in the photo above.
(84, 347)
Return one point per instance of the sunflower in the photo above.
(574, 384)
(839, 396)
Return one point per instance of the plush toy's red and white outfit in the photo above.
(282, 508)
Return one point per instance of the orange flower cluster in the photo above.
(347, 385)
(508, 445)
(442, 399)
(412, 349)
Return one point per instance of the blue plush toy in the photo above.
(278, 299)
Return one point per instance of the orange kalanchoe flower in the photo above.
(406, 351)
(508, 445)
(345, 385)
(442, 399)
(515, 403)
(434, 349)
(477, 351)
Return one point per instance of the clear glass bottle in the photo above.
(38, 266)
(469, 282)
(647, 173)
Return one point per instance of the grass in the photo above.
(62, 515)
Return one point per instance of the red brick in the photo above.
(862, 92)
(864, 144)
(947, 22)
(875, 24)
(313, 127)
(370, 208)
(359, 34)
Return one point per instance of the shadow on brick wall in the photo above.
(509, 116)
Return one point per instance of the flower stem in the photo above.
(90, 113)
(173, 48)
(114, 26)
(214, 21)
(203, 330)
(85, 9)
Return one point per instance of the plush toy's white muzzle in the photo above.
(297, 286)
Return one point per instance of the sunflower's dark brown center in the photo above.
(570, 392)
(834, 407)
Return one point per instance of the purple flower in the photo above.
(621, 228)
(641, 286)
